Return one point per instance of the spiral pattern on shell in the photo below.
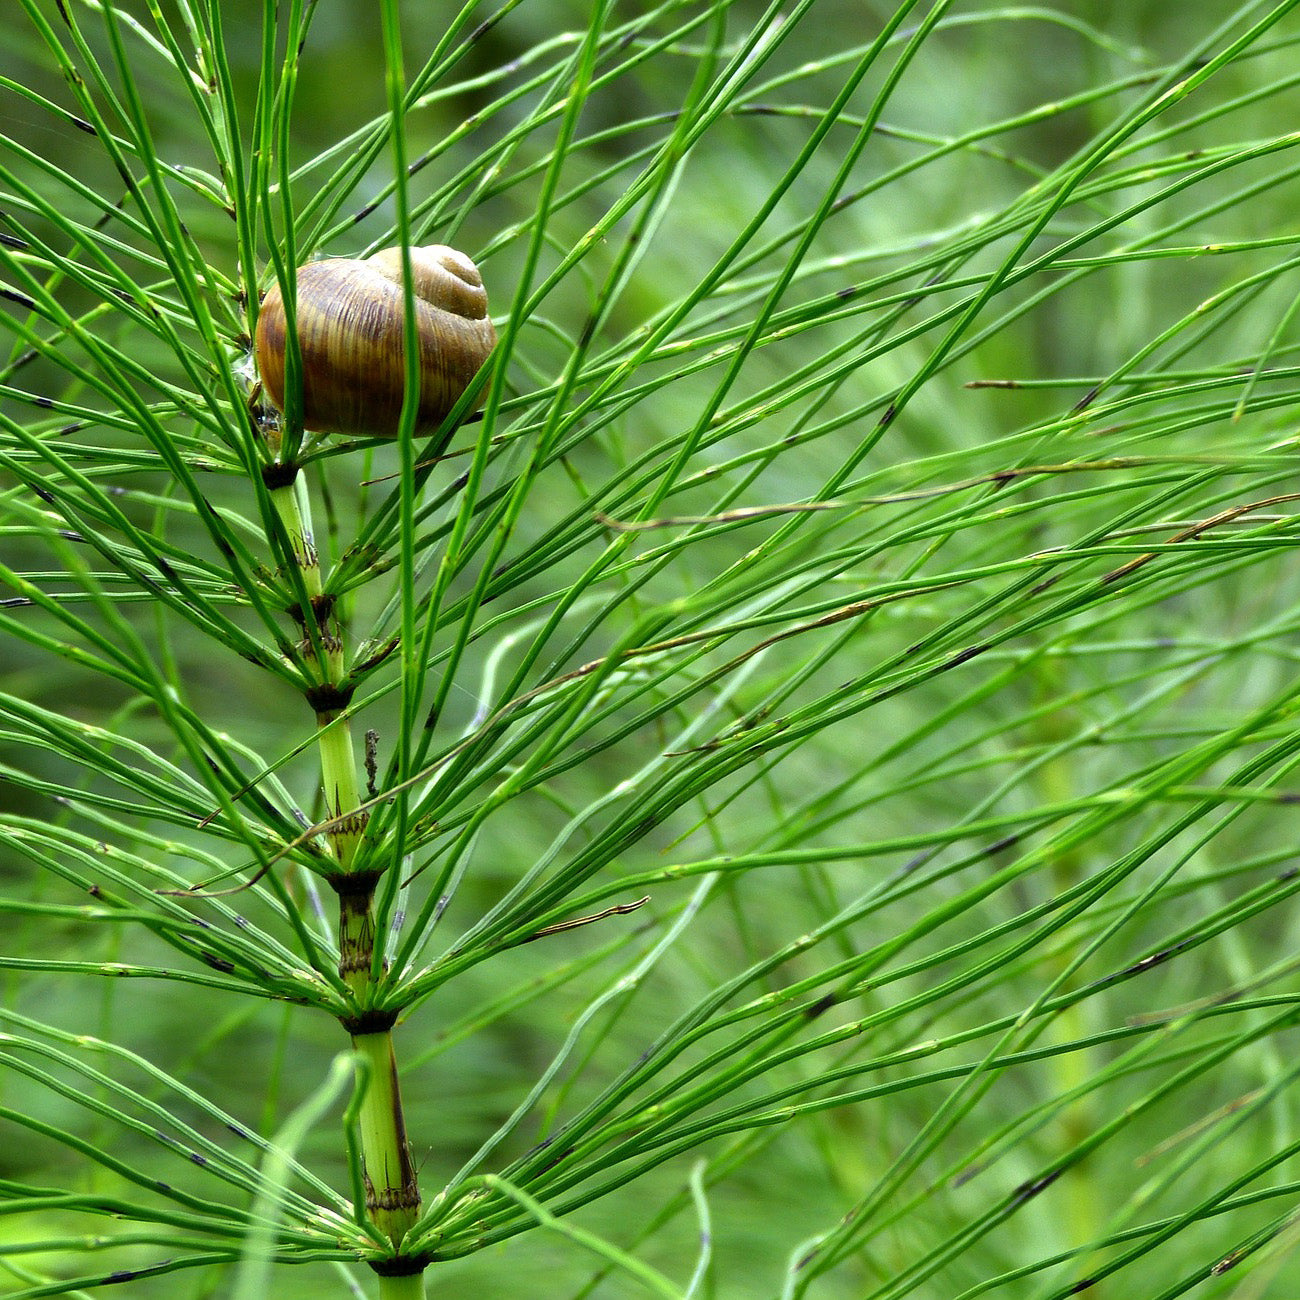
(349, 324)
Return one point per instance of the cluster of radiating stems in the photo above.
(392, 1190)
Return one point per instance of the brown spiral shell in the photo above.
(349, 318)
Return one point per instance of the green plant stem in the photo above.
(342, 792)
(392, 1189)
(292, 505)
(410, 1287)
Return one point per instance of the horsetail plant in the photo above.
(756, 760)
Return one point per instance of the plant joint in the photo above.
(348, 826)
(400, 1265)
(326, 697)
(374, 1020)
(279, 474)
(394, 1199)
(322, 607)
(354, 884)
(329, 644)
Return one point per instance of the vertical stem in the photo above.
(338, 768)
(391, 1186)
(392, 1189)
(293, 507)
(408, 1287)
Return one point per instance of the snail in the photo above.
(350, 335)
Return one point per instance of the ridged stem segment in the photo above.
(392, 1192)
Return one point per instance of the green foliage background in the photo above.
(981, 569)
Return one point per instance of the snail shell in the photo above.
(349, 317)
